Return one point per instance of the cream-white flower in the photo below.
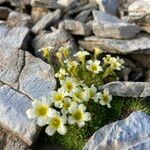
(80, 95)
(61, 74)
(68, 84)
(41, 109)
(65, 50)
(78, 115)
(58, 97)
(46, 51)
(56, 123)
(71, 64)
(93, 93)
(94, 66)
(116, 64)
(66, 104)
(105, 98)
(81, 55)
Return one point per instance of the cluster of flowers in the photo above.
(76, 76)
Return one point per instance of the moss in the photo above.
(76, 138)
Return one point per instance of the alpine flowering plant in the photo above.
(79, 77)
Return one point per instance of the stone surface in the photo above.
(139, 45)
(105, 25)
(12, 61)
(139, 13)
(22, 78)
(128, 89)
(4, 12)
(37, 78)
(10, 142)
(75, 27)
(19, 19)
(108, 6)
(38, 12)
(13, 106)
(83, 16)
(67, 3)
(46, 21)
(131, 133)
(46, 3)
(54, 39)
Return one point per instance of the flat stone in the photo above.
(54, 39)
(67, 3)
(13, 106)
(46, 21)
(139, 7)
(38, 12)
(12, 61)
(83, 16)
(4, 12)
(105, 25)
(128, 89)
(19, 19)
(131, 133)
(139, 45)
(52, 4)
(10, 142)
(75, 27)
(22, 78)
(108, 6)
(37, 78)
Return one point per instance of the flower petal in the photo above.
(62, 130)
(71, 120)
(87, 116)
(31, 113)
(41, 121)
(81, 124)
(50, 131)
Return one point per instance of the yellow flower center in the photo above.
(69, 86)
(94, 67)
(78, 115)
(46, 52)
(59, 97)
(42, 110)
(91, 93)
(66, 105)
(105, 98)
(56, 122)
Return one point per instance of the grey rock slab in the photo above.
(10, 142)
(139, 13)
(132, 133)
(12, 58)
(19, 19)
(13, 106)
(139, 45)
(108, 6)
(106, 25)
(83, 16)
(67, 3)
(38, 12)
(46, 21)
(52, 4)
(54, 39)
(128, 89)
(75, 27)
(13, 37)
(37, 78)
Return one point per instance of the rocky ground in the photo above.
(119, 27)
